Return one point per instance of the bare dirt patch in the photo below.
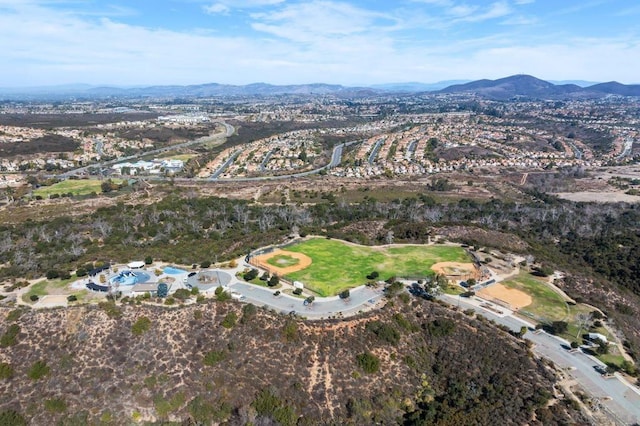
(515, 298)
(456, 270)
(303, 262)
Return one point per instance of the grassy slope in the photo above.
(337, 266)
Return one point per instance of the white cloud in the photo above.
(225, 6)
(309, 22)
(333, 42)
(217, 8)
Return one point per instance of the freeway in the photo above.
(616, 395)
(229, 130)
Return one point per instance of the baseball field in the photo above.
(328, 267)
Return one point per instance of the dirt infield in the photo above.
(516, 298)
(303, 262)
(456, 269)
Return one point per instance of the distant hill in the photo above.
(523, 86)
(526, 86)
(417, 87)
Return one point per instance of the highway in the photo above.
(229, 130)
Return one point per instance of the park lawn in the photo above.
(547, 305)
(75, 187)
(45, 287)
(337, 266)
(182, 157)
(612, 359)
(282, 261)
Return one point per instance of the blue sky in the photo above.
(356, 42)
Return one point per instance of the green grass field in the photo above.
(75, 187)
(282, 261)
(547, 304)
(337, 266)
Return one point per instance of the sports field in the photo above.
(75, 187)
(337, 266)
(545, 303)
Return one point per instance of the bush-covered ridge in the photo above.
(100, 369)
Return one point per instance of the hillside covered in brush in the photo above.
(413, 362)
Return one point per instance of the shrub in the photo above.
(14, 315)
(368, 362)
(233, 264)
(384, 332)
(222, 296)
(344, 294)
(141, 326)
(211, 358)
(205, 264)
(53, 274)
(10, 337)
(6, 370)
(248, 311)
(34, 297)
(229, 320)
(38, 370)
(111, 309)
(148, 260)
(373, 275)
(55, 405)
(204, 412)
(441, 327)
(558, 327)
(290, 331)
(297, 291)
(169, 301)
(182, 294)
(72, 298)
(12, 418)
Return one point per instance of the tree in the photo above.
(558, 327)
(273, 281)
(106, 186)
(148, 260)
(344, 294)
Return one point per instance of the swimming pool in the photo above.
(129, 278)
(170, 270)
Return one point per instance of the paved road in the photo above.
(625, 399)
(360, 299)
(374, 151)
(576, 151)
(229, 130)
(266, 160)
(226, 164)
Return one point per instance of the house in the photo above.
(141, 289)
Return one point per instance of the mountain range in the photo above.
(516, 86)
